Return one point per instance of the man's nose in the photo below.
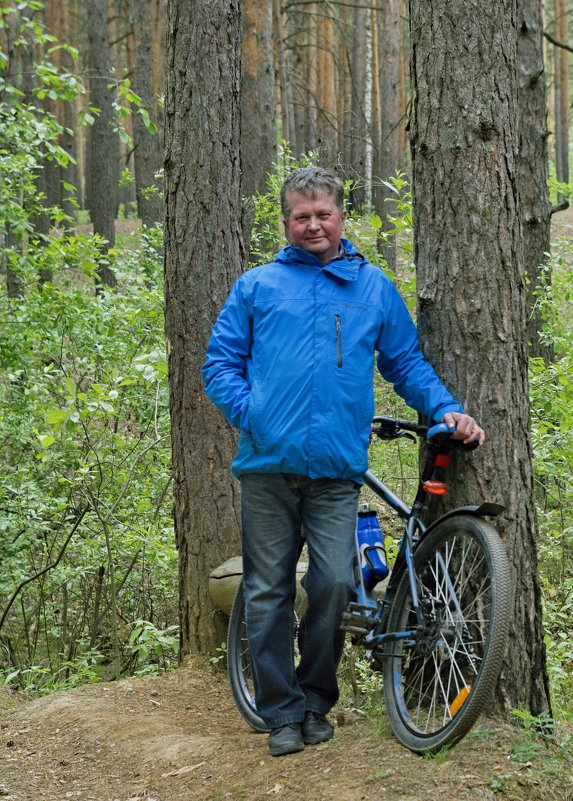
(314, 223)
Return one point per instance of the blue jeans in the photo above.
(279, 512)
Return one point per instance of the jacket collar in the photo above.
(344, 266)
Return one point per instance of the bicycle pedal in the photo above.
(358, 618)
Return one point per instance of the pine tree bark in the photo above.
(284, 71)
(531, 162)
(203, 257)
(388, 153)
(561, 89)
(102, 161)
(148, 156)
(326, 88)
(258, 127)
(472, 298)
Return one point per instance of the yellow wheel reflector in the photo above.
(459, 700)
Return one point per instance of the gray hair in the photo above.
(309, 181)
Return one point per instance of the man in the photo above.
(290, 363)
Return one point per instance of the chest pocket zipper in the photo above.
(337, 326)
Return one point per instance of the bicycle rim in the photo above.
(437, 684)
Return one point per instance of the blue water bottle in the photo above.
(371, 545)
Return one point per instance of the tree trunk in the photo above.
(258, 128)
(358, 73)
(388, 161)
(472, 299)
(561, 88)
(326, 88)
(102, 162)
(368, 91)
(203, 256)
(532, 158)
(284, 72)
(148, 156)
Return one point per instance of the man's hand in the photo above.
(466, 427)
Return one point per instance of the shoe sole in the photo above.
(316, 740)
(286, 749)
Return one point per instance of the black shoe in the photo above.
(316, 729)
(286, 740)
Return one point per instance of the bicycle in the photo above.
(439, 631)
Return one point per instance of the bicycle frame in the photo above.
(368, 609)
(367, 617)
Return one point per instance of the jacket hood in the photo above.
(344, 266)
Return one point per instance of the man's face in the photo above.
(314, 224)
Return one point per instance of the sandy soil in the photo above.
(178, 737)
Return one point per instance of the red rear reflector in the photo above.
(443, 460)
(435, 487)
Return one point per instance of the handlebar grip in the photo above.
(441, 432)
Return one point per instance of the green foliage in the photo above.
(123, 104)
(146, 641)
(267, 235)
(221, 654)
(85, 488)
(42, 680)
(28, 132)
(551, 388)
(87, 586)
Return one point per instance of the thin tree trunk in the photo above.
(284, 72)
(326, 89)
(148, 155)
(561, 86)
(532, 160)
(358, 98)
(368, 148)
(389, 160)
(258, 128)
(311, 55)
(203, 257)
(472, 298)
(102, 162)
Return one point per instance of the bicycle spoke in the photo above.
(437, 674)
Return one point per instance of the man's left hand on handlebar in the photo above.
(466, 427)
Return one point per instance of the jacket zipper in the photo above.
(338, 340)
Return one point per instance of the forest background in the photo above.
(88, 586)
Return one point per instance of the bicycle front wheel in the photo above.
(239, 664)
(437, 682)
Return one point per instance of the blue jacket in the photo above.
(291, 357)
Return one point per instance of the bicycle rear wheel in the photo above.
(239, 664)
(437, 683)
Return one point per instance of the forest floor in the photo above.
(178, 737)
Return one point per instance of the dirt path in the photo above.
(178, 737)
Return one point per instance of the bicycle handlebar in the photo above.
(438, 434)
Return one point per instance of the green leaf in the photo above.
(56, 416)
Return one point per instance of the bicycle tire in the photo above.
(239, 664)
(437, 685)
